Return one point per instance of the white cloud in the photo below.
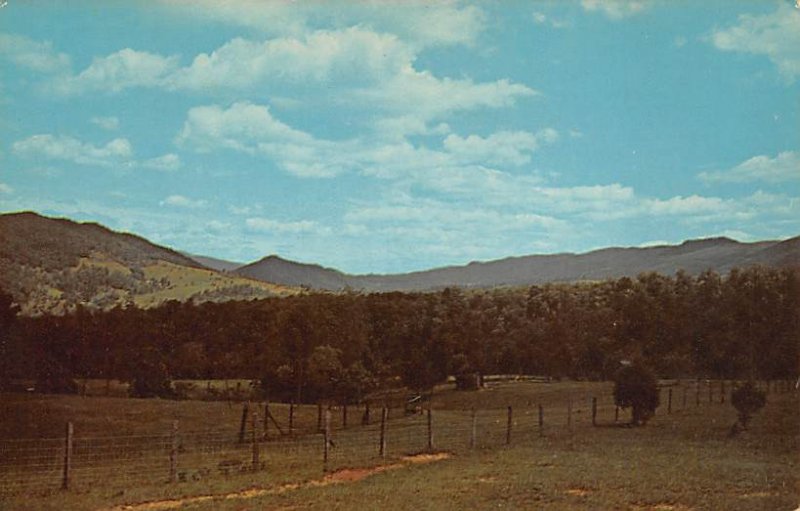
(34, 55)
(784, 167)
(616, 9)
(270, 225)
(321, 56)
(541, 18)
(5, 189)
(775, 35)
(183, 202)
(107, 123)
(115, 152)
(692, 205)
(168, 162)
(421, 22)
(501, 148)
(121, 70)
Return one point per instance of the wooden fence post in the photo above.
(569, 414)
(326, 436)
(474, 433)
(173, 453)
(430, 431)
(685, 394)
(254, 439)
(616, 413)
(365, 417)
(319, 416)
(697, 393)
(291, 418)
(344, 416)
(722, 392)
(243, 424)
(508, 426)
(669, 400)
(382, 447)
(67, 457)
(710, 391)
(541, 420)
(266, 420)
(594, 411)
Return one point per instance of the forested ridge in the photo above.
(744, 324)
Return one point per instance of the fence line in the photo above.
(44, 465)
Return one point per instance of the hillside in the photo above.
(52, 265)
(694, 256)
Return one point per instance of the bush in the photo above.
(151, 379)
(636, 387)
(748, 400)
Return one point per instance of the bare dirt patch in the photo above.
(578, 492)
(343, 476)
(660, 507)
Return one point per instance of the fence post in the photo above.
(541, 420)
(173, 453)
(344, 416)
(616, 413)
(710, 391)
(254, 439)
(697, 393)
(319, 416)
(722, 392)
(243, 424)
(327, 439)
(594, 411)
(685, 394)
(382, 447)
(474, 433)
(669, 400)
(67, 457)
(365, 417)
(266, 420)
(569, 414)
(430, 431)
(291, 418)
(508, 426)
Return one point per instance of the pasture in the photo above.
(681, 460)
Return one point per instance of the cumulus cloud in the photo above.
(107, 123)
(168, 162)
(616, 9)
(182, 201)
(33, 55)
(66, 148)
(5, 189)
(784, 167)
(541, 18)
(501, 148)
(121, 70)
(421, 22)
(775, 35)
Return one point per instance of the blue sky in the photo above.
(384, 136)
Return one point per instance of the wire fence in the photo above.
(75, 462)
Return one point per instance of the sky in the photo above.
(388, 136)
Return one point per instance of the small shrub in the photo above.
(636, 387)
(748, 400)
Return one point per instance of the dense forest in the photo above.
(745, 324)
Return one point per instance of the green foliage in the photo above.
(636, 387)
(151, 378)
(748, 400)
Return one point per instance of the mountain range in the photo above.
(693, 256)
(52, 265)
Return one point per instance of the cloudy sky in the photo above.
(385, 136)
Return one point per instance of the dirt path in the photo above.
(346, 475)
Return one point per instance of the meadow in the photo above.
(686, 459)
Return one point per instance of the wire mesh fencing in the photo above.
(41, 466)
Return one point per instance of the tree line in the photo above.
(341, 346)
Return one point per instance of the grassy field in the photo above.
(679, 461)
